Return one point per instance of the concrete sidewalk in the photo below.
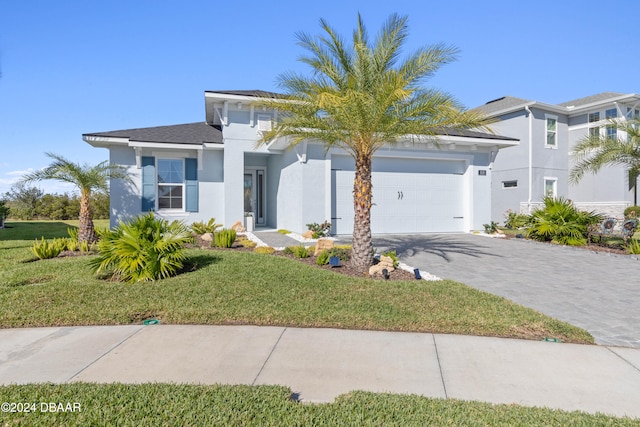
(320, 364)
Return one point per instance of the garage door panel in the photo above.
(406, 197)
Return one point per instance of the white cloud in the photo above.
(50, 187)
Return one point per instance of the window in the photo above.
(594, 118)
(612, 132)
(264, 122)
(552, 131)
(550, 187)
(170, 183)
(611, 113)
(510, 184)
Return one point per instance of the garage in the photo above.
(409, 195)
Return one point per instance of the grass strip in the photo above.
(171, 404)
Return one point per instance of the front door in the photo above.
(254, 194)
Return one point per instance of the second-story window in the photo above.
(594, 118)
(552, 131)
(612, 113)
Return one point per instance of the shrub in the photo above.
(561, 222)
(73, 233)
(246, 243)
(632, 212)
(490, 228)
(203, 228)
(393, 256)
(283, 231)
(144, 249)
(288, 250)
(633, 247)
(267, 250)
(514, 220)
(323, 258)
(225, 238)
(71, 244)
(320, 230)
(4, 211)
(301, 252)
(44, 249)
(342, 253)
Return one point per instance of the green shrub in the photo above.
(143, 249)
(73, 233)
(514, 220)
(393, 256)
(225, 238)
(288, 250)
(45, 249)
(343, 253)
(323, 258)
(490, 228)
(246, 243)
(267, 250)
(71, 244)
(561, 222)
(203, 228)
(301, 252)
(283, 231)
(320, 230)
(633, 247)
(632, 212)
(4, 211)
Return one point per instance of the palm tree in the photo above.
(359, 98)
(87, 178)
(594, 152)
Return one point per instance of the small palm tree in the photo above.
(360, 98)
(594, 152)
(88, 179)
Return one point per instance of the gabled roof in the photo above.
(504, 103)
(190, 133)
(253, 93)
(591, 99)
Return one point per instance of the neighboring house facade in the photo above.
(538, 166)
(193, 172)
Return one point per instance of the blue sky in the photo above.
(75, 66)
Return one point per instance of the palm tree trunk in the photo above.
(362, 252)
(86, 230)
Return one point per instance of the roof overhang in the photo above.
(532, 104)
(618, 99)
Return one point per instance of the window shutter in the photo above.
(191, 185)
(148, 184)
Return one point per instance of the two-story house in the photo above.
(215, 168)
(523, 174)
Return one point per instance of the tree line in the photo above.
(26, 203)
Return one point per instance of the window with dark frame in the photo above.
(510, 184)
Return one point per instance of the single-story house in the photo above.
(215, 168)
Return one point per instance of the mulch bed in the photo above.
(344, 269)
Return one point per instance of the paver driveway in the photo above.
(597, 292)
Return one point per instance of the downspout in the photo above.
(530, 196)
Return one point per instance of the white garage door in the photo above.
(409, 195)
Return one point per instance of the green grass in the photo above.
(163, 404)
(30, 230)
(231, 287)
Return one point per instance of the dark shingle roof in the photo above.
(590, 99)
(502, 104)
(190, 133)
(255, 93)
(475, 134)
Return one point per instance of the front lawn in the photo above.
(233, 287)
(182, 405)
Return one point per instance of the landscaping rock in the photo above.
(207, 237)
(323, 244)
(385, 263)
(238, 227)
(308, 234)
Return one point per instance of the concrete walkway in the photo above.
(320, 364)
(597, 292)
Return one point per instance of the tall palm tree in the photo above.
(361, 97)
(88, 179)
(594, 152)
